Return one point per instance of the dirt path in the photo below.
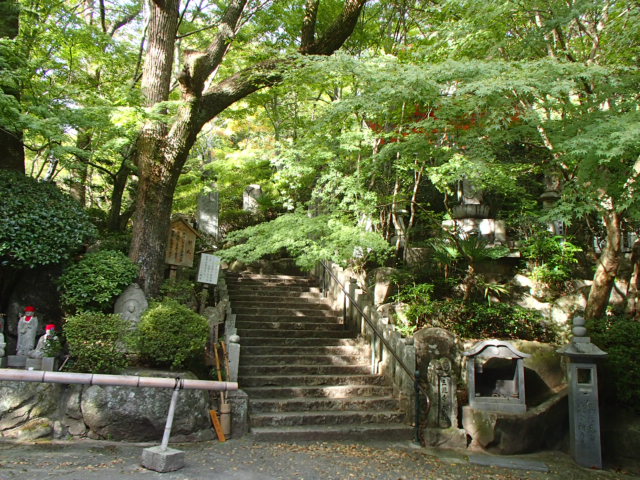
(245, 460)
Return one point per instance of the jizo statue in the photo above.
(27, 328)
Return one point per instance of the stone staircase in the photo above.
(306, 376)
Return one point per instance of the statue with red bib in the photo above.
(27, 328)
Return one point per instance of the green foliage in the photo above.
(620, 338)
(171, 335)
(308, 240)
(552, 258)
(471, 319)
(182, 291)
(39, 224)
(95, 281)
(96, 342)
(52, 347)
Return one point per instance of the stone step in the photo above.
(299, 369)
(264, 276)
(280, 302)
(307, 380)
(278, 359)
(314, 404)
(289, 318)
(325, 417)
(296, 342)
(291, 334)
(288, 325)
(327, 391)
(303, 351)
(394, 432)
(287, 295)
(266, 279)
(280, 290)
(271, 282)
(280, 311)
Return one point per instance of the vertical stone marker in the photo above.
(209, 213)
(584, 418)
(250, 198)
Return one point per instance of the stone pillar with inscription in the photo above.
(438, 356)
(584, 417)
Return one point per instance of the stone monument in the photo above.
(584, 417)
(208, 213)
(437, 352)
(131, 304)
(250, 198)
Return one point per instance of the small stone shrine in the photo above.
(584, 417)
(495, 372)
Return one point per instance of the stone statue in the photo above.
(27, 328)
(131, 304)
(49, 336)
(2, 342)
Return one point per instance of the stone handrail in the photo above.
(391, 355)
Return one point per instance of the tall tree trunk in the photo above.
(607, 269)
(163, 148)
(11, 148)
(114, 223)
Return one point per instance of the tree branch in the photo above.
(338, 32)
(199, 67)
(309, 23)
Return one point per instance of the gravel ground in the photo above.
(244, 459)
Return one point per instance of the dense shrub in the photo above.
(97, 342)
(551, 257)
(95, 281)
(39, 224)
(182, 291)
(471, 319)
(171, 335)
(620, 338)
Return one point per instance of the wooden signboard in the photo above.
(182, 244)
(209, 269)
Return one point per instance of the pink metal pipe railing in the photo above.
(8, 374)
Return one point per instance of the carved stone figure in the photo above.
(49, 335)
(27, 328)
(131, 304)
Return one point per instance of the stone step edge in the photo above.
(386, 431)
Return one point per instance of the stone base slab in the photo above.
(16, 361)
(162, 459)
(33, 364)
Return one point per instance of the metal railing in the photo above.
(414, 375)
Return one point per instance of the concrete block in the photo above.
(49, 364)
(3, 362)
(16, 361)
(162, 459)
(33, 364)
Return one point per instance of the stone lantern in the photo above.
(584, 418)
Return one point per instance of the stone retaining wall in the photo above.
(29, 411)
